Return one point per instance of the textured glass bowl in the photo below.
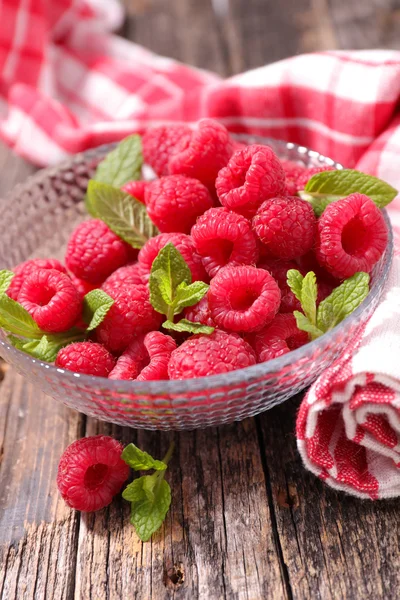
(37, 219)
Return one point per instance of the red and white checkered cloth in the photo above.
(67, 83)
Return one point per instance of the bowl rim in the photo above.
(247, 375)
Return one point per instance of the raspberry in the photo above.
(308, 262)
(223, 237)
(209, 149)
(146, 359)
(90, 472)
(278, 269)
(23, 270)
(204, 355)
(52, 299)
(175, 202)
(243, 298)
(136, 189)
(83, 287)
(200, 313)
(86, 357)
(128, 275)
(130, 315)
(183, 243)
(286, 226)
(160, 143)
(279, 337)
(251, 176)
(305, 176)
(293, 171)
(94, 252)
(351, 236)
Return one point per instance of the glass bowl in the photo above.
(37, 219)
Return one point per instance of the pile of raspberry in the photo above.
(233, 212)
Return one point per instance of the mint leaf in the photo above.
(148, 510)
(342, 301)
(124, 215)
(122, 164)
(295, 282)
(160, 291)
(305, 325)
(5, 280)
(15, 319)
(309, 294)
(188, 295)
(341, 183)
(168, 272)
(141, 461)
(48, 346)
(96, 305)
(185, 325)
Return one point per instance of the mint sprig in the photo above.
(188, 326)
(96, 305)
(335, 308)
(327, 187)
(122, 164)
(149, 495)
(172, 290)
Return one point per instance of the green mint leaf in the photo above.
(188, 295)
(150, 505)
(122, 164)
(47, 347)
(320, 204)
(341, 183)
(305, 325)
(168, 272)
(160, 291)
(295, 282)
(124, 215)
(96, 305)
(189, 326)
(309, 294)
(141, 461)
(15, 319)
(342, 301)
(5, 280)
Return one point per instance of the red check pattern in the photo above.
(67, 84)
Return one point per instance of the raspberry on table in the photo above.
(23, 270)
(204, 355)
(351, 236)
(136, 189)
(174, 202)
(161, 143)
(287, 226)
(130, 315)
(251, 176)
(243, 298)
(89, 358)
(278, 338)
(209, 149)
(127, 275)
(51, 299)
(91, 472)
(183, 243)
(146, 358)
(278, 269)
(200, 313)
(223, 237)
(94, 252)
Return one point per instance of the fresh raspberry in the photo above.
(204, 355)
(351, 236)
(23, 270)
(128, 275)
(136, 189)
(86, 357)
(200, 313)
(52, 299)
(286, 226)
(90, 472)
(146, 358)
(209, 149)
(130, 315)
(278, 269)
(83, 287)
(175, 202)
(160, 144)
(94, 252)
(183, 243)
(243, 298)
(279, 337)
(308, 262)
(251, 176)
(223, 237)
(306, 175)
(293, 171)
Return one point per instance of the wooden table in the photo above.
(247, 521)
